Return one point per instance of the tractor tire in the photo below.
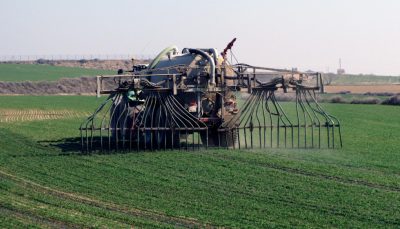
(226, 139)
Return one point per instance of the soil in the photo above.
(362, 89)
(90, 64)
(82, 85)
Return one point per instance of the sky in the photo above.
(307, 34)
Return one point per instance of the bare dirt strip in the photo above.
(14, 115)
(361, 89)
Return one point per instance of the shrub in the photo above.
(379, 94)
(394, 100)
(42, 61)
(285, 97)
(337, 99)
(369, 100)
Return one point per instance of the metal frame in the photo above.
(161, 122)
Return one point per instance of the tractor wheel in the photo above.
(220, 139)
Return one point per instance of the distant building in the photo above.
(340, 70)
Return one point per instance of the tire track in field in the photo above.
(281, 201)
(316, 175)
(13, 115)
(42, 221)
(28, 195)
(158, 217)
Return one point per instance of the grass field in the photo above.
(46, 182)
(349, 79)
(36, 72)
(363, 89)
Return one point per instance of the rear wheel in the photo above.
(217, 138)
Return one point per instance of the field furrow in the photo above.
(156, 217)
(46, 181)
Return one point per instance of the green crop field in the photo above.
(46, 182)
(349, 79)
(36, 72)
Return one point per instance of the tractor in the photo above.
(195, 98)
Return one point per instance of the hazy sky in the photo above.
(308, 34)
